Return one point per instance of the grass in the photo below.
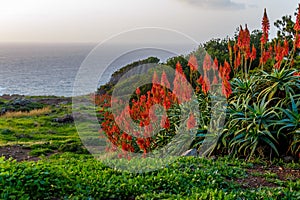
(36, 129)
(32, 113)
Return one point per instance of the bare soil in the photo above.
(18, 153)
(257, 178)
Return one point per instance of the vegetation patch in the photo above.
(31, 113)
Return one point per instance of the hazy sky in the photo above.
(96, 20)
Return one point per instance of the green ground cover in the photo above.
(60, 174)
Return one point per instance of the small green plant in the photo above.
(39, 152)
(7, 131)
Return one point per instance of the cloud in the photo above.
(217, 4)
(253, 6)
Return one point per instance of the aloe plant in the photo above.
(250, 126)
(290, 124)
(279, 82)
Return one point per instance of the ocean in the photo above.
(50, 69)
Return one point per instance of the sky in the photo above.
(68, 21)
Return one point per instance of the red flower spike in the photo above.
(148, 142)
(206, 85)
(164, 80)
(193, 63)
(138, 91)
(226, 88)
(155, 84)
(226, 70)
(278, 52)
(167, 103)
(265, 28)
(266, 55)
(216, 64)
(235, 48)
(240, 37)
(200, 80)
(179, 68)
(229, 49)
(181, 88)
(297, 41)
(244, 38)
(191, 122)
(253, 53)
(248, 53)
(165, 123)
(206, 62)
(215, 81)
(124, 147)
(155, 79)
(124, 136)
(297, 23)
(277, 65)
(286, 47)
(187, 91)
(129, 137)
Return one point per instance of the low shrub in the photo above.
(71, 176)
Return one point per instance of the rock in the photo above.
(190, 152)
(20, 102)
(63, 103)
(3, 111)
(65, 119)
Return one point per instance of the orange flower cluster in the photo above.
(266, 55)
(280, 53)
(244, 47)
(242, 51)
(182, 88)
(280, 49)
(141, 112)
(222, 71)
(204, 81)
(102, 100)
(244, 38)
